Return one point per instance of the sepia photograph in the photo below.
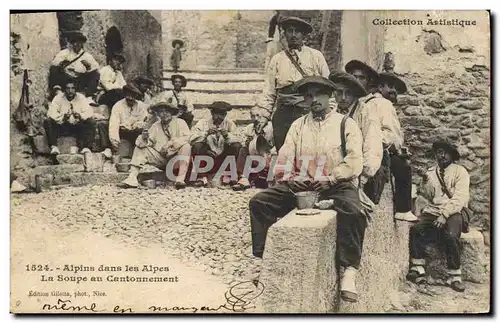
(250, 162)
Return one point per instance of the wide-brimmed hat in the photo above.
(76, 36)
(339, 77)
(144, 80)
(131, 88)
(359, 65)
(119, 56)
(220, 106)
(179, 76)
(177, 41)
(295, 21)
(448, 146)
(392, 78)
(164, 105)
(316, 80)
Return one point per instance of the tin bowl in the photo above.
(306, 199)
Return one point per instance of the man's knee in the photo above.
(255, 203)
(453, 227)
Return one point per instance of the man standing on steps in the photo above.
(445, 190)
(287, 67)
(392, 136)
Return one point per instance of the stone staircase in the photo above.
(239, 87)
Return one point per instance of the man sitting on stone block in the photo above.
(445, 188)
(129, 117)
(111, 81)
(214, 137)
(318, 161)
(347, 95)
(167, 137)
(74, 63)
(179, 97)
(259, 142)
(70, 114)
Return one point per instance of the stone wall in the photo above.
(34, 41)
(447, 70)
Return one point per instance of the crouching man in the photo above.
(167, 138)
(446, 190)
(329, 170)
(214, 137)
(70, 114)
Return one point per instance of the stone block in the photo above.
(70, 159)
(435, 103)
(407, 100)
(471, 104)
(422, 121)
(40, 145)
(473, 260)
(58, 169)
(94, 162)
(482, 153)
(64, 144)
(298, 269)
(82, 179)
(458, 111)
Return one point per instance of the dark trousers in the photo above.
(188, 117)
(129, 135)
(109, 98)
(402, 183)
(282, 119)
(201, 148)
(375, 184)
(259, 177)
(424, 232)
(86, 83)
(84, 131)
(275, 202)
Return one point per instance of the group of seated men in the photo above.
(353, 147)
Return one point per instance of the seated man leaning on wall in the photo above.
(214, 137)
(167, 137)
(111, 81)
(74, 63)
(444, 214)
(70, 114)
(313, 148)
(259, 142)
(129, 117)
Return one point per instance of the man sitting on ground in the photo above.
(70, 114)
(332, 173)
(445, 189)
(129, 117)
(74, 63)
(167, 137)
(259, 142)
(213, 137)
(111, 81)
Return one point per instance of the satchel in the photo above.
(466, 213)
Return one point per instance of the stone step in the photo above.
(221, 87)
(243, 100)
(76, 159)
(237, 73)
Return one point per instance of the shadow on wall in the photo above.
(114, 42)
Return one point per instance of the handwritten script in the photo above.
(238, 299)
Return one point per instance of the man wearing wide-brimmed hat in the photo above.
(364, 73)
(129, 117)
(214, 137)
(313, 147)
(145, 85)
(77, 64)
(111, 81)
(179, 97)
(347, 94)
(167, 137)
(279, 97)
(176, 57)
(445, 190)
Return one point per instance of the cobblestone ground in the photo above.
(206, 228)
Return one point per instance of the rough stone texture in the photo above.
(298, 269)
(65, 143)
(298, 264)
(473, 261)
(448, 95)
(94, 162)
(58, 169)
(70, 159)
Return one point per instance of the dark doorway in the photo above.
(113, 41)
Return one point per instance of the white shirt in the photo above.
(199, 131)
(123, 115)
(111, 79)
(379, 106)
(168, 96)
(158, 139)
(281, 72)
(68, 55)
(321, 140)
(60, 105)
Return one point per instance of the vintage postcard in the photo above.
(239, 162)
